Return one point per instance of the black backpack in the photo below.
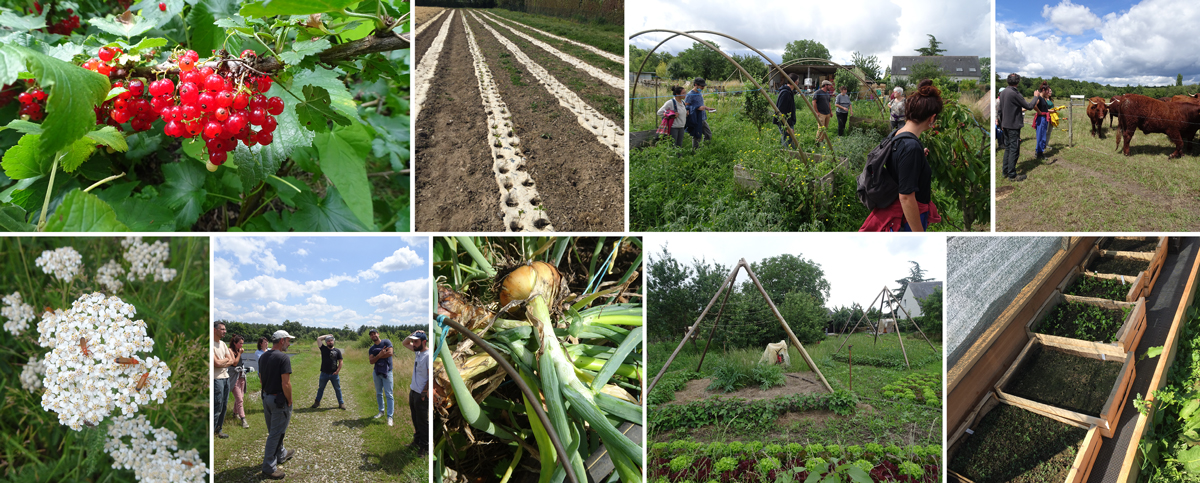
(877, 188)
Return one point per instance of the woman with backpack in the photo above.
(907, 169)
(673, 116)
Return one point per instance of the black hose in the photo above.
(534, 401)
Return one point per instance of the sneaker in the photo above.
(287, 455)
(315, 405)
(1019, 177)
(380, 415)
(277, 475)
(342, 407)
(389, 421)
(244, 423)
(222, 435)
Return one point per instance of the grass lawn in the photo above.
(334, 445)
(884, 421)
(1093, 187)
(606, 37)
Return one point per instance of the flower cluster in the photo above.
(152, 459)
(18, 313)
(31, 375)
(92, 367)
(109, 276)
(64, 263)
(147, 260)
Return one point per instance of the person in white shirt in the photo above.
(418, 391)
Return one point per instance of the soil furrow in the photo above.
(455, 188)
(573, 49)
(580, 180)
(612, 80)
(519, 200)
(608, 55)
(424, 40)
(427, 66)
(426, 25)
(606, 131)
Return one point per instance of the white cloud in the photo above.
(326, 260)
(264, 286)
(302, 252)
(1139, 46)
(402, 259)
(251, 251)
(415, 241)
(1070, 18)
(402, 298)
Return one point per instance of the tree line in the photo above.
(1065, 87)
(251, 332)
(678, 293)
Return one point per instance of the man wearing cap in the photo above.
(275, 370)
(331, 365)
(821, 105)
(418, 390)
(223, 358)
(697, 122)
(381, 358)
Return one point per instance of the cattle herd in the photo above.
(1178, 117)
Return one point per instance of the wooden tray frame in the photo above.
(1110, 413)
(1144, 282)
(1084, 459)
(1128, 335)
(1157, 258)
(1132, 295)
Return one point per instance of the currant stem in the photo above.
(49, 190)
(105, 180)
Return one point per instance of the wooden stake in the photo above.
(690, 332)
(795, 341)
(720, 311)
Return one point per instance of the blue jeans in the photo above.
(383, 390)
(337, 386)
(1043, 133)
(220, 403)
(277, 423)
(924, 223)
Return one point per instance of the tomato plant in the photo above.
(207, 115)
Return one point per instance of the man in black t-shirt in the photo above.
(821, 105)
(331, 365)
(275, 370)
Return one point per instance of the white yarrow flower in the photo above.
(146, 261)
(18, 313)
(93, 367)
(109, 276)
(31, 375)
(151, 453)
(64, 263)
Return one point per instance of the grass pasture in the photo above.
(1093, 187)
(876, 419)
(333, 445)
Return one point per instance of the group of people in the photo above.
(274, 367)
(1010, 116)
(687, 112)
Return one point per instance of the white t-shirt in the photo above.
(222, 352)
(420, 379)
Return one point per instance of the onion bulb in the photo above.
(537, 278)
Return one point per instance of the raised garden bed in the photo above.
(1140, 269)
(1098, 288)
(1098, 325)
(1130, 244)
(1129, 267)
(1069, 383)
(1004, 443)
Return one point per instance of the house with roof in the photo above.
(956, 67)
(914, 293)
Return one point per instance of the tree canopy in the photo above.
(869, 65)
(800, 49)
(933, 48)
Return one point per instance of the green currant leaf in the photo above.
(305, 48)
(75, 155)
(81, 211)
(184, 190)
(151, 215)
(315, 112)
(10, 20)
(12, 219)
(203, 26)
(24, 127)
(109, 136)
(116, 26)
(25, 160)
(149, 9)
(270, 8)
(342, 153)
(329, 214)
(147, 43)
(254, 165)
(74, 93)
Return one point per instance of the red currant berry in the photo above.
(120, 103)
(121, 116)
(269, 124)
(275, 106)
(218, 158)
(193, 128)
(106, 54)
(206, 71)
(264, 138)
(258, 101)
(221, 114)
(191, 54)
(190, 112)
(264, 84)
(225, 98)
(140, 125)
(189, 93)
(186, 64)
(214, 83)
(25, 98)
(246, 54)
(103, 69)
(173, 129)
(258, 116)
(162, 6)
(162, 102)
(237, 121)
(240, 101)
(212, 130)
(39, 94)
(137, 87)
(207, 103)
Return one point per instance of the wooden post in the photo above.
(720, 311)
(914, 321)
(896, 320)
(795, 341)
(690, 332)
(860, 319)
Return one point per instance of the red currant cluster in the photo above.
(31, 104)
(68, 21)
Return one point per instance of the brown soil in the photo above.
(797, 383)
(580, 180)
(423, 14)
(1147, 244)
(456, 190)
(1064, 380)
(426, 38)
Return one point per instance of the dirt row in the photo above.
(581, 181)
(423, 14)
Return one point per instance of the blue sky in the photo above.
(322, 281)
(1146, 42)
(856, 265)
(883, 28)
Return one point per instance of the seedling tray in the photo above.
(1127, 336)
(1143, 281)
(1086, 449)
(1110, 411)
(1157, 258)
(1131, 295)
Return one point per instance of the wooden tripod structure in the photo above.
(885, 297)
(727, 287)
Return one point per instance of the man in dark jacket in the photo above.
(1011, 108)
(786, 102)
(697, 122)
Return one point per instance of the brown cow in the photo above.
(1114, 109)
(1188, 99)
(1096, 111)
(1176, 120)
